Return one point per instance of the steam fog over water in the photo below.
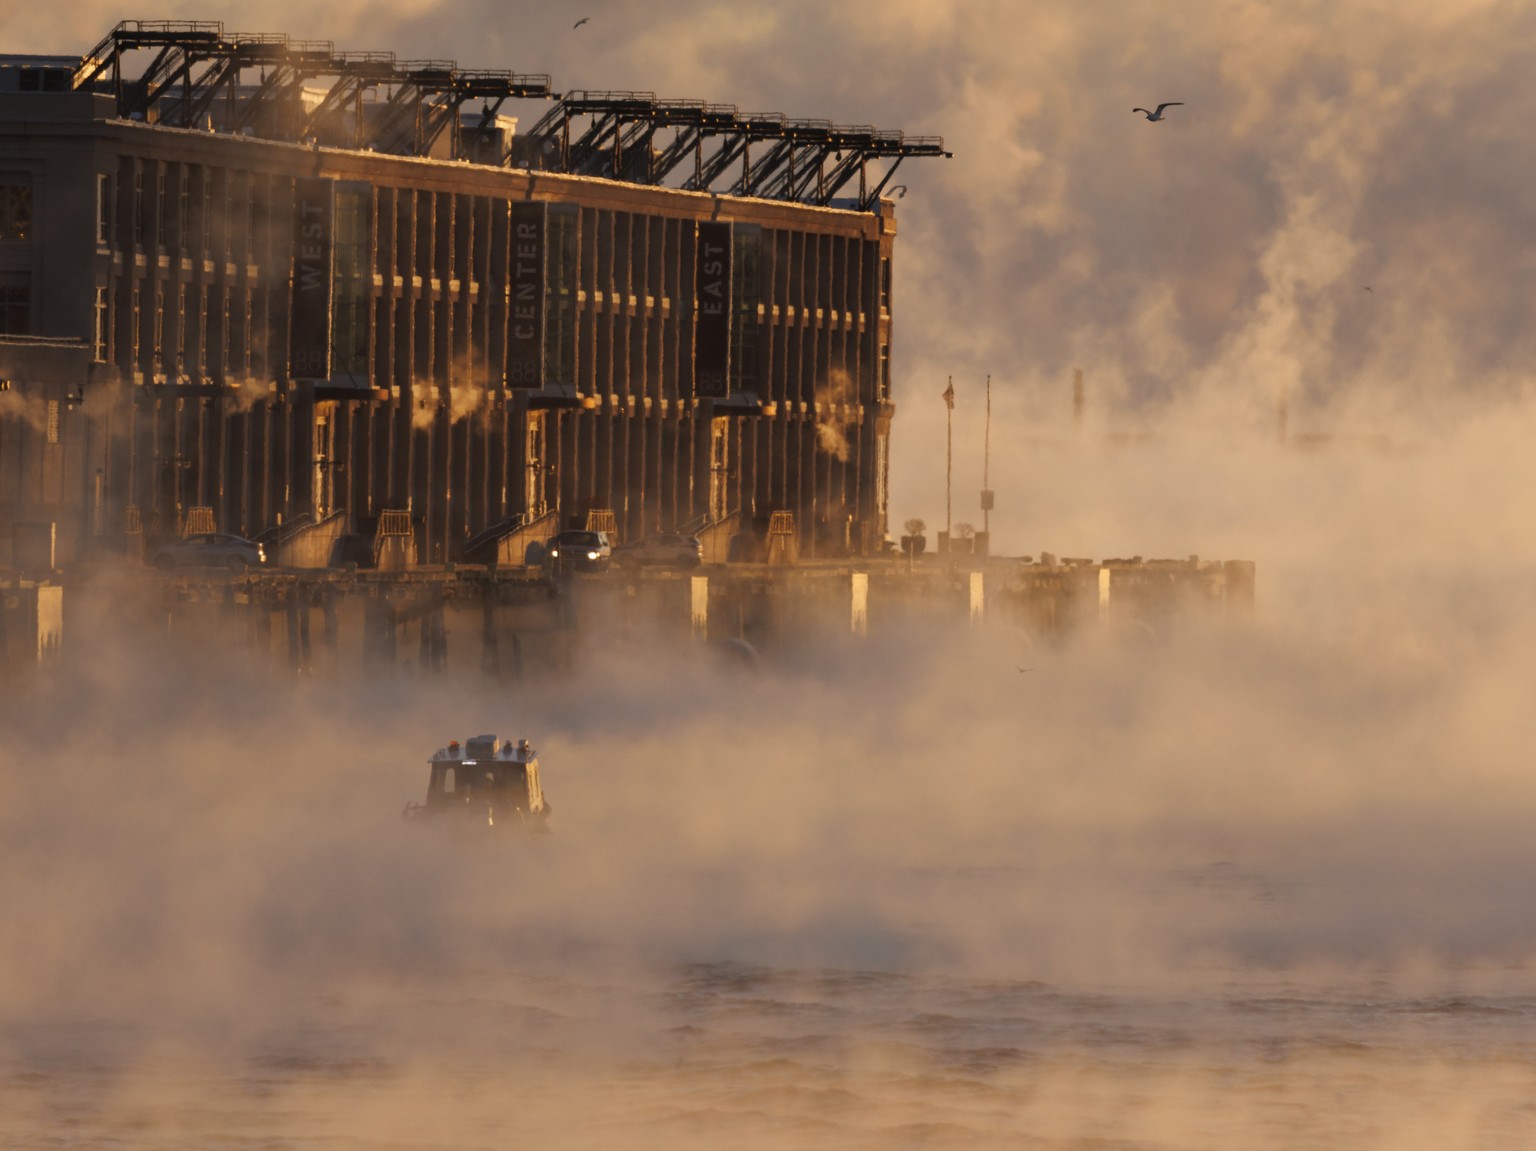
(1266, 885)
(1259, 885)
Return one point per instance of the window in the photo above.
(202, 332)
(158, 348)
(353, 284)
(43, 80)
(205, 219)
(885, 285)
(53, 421)
(243, 350)
(563, 258)
(15, 208)
(133, 327)
(103, 209)
(15, 309)
(160, 208)
(101, 328)
(181, 329)
(248, 251)
(184, 207)
(885, 370)
(229, 215)
(138, 205)
(746, 295)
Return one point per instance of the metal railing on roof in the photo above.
(622, 135)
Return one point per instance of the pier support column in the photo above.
(433, 653)
(299, 650)
(50, 622)
(490, 641)
(698, 588)
(859, 622)
(1237, 586)
(34, 634)
(261, 628)
(330, 625)
(379, 632)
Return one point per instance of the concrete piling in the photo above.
(523, 619)
(698, 605)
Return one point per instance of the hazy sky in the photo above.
(1337, 213)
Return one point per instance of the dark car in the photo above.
(575, 550)
(209, 549)
(356, 550)
(665, 549)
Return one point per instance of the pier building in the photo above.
(262, 285)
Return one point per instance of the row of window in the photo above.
(43, 79)
(219, 210)
(211, 331)
(209, 210)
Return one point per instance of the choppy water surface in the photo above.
(731, 1055)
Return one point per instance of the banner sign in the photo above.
(314, 213)
(525, 296)
(712, 311)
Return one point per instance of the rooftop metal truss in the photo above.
(199, 76)
(635, 137)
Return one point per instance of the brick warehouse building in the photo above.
(261, 284)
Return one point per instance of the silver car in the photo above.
(665, 549)
(211, 549)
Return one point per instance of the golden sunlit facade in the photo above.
(232, 306)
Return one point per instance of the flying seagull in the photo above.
(580, 22)
(1158, 115)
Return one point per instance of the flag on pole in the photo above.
(949, 396)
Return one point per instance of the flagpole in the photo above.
(949, 459)
(986, 457)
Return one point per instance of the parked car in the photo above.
(580, 550)
(665, 549)
(353, 549)
(211, 549)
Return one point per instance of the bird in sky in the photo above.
(1158, 115)
(580, 22)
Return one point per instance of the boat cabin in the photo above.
(485, 778)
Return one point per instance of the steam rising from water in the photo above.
(1160, 890)
(1254, 887)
